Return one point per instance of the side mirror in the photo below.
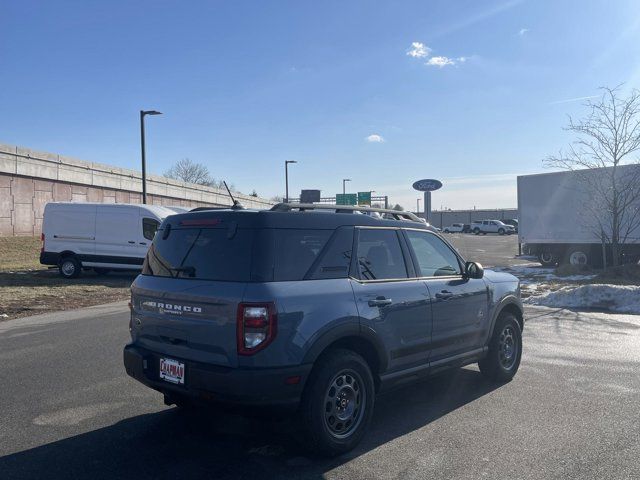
(473, 270)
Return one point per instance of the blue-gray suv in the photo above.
(313, 307)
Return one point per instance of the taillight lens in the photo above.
(42, 240)
(256, 327)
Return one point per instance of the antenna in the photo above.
(236, 204)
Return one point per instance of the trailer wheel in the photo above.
(577, 256)
(547, 259)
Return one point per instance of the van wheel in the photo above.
(505, 350)
(446, 230)
(501, 231)
(70, 267)
(101, 271)
(476, 231)
(337, 404)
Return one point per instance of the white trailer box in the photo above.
(101, 236)
(559, 217)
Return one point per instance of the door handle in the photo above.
(380, 302)
(444, 295)
(143, 243)
(132, 241)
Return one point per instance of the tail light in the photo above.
(42, 240)
(256, 327)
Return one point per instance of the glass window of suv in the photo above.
(149, 227)
(435, 258)
(295, 252)
(380, 255)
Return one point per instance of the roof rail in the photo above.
(396, 214)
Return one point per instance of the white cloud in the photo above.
(440, 61)
(374, 138)
(523, 31)
(419, 50)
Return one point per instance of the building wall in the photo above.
(30, 179)
(447, 217)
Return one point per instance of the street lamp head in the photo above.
(346, 179)
(151, 112)
(290, 161)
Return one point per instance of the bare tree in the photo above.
(607, 138)
(190, 172)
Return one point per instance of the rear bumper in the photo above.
(236, 386)
(49, 258)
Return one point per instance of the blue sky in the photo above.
(470, 92)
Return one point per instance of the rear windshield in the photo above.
(201, 253)
(259, 255)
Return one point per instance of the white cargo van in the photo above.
(100, 236)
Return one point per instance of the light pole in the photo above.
(344, 188)
(286, 179)
(417, 205)
(144, 161)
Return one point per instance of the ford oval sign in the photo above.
(427, 185)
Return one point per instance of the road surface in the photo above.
(69, 411)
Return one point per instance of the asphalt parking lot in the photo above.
(491, 250)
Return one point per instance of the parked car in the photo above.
(454, 228)
(491, 226)
(316, 310)
(513, 222)
(101, 236)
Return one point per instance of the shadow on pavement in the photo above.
(175, 444)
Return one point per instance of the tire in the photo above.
(501, 231)
(70, 267)
(101, 271)
(446, 230)
(577, 256)
(476, 231)
(505, 349)
(547, 259)
(337, 404)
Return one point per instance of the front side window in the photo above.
(380, 255)
(149, 227)
(435, 258)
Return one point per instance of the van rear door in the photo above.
(69, 227)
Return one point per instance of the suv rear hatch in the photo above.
(193, 279)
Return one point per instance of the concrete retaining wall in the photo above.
(29, 179)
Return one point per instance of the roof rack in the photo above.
(301, 207)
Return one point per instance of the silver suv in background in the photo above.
(491, 226)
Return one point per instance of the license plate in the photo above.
(172, 370)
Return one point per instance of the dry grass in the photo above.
(20, 253)
(28, 288)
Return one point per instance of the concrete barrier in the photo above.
(29, 179)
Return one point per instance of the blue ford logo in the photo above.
(427, 185)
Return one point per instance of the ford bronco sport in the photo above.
(315, 308)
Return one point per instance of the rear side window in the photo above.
(149, 227)
(296, 251)
(380, 255)
(201, 253)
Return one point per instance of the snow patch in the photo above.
(617, 298)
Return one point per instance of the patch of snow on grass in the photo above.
(617, 298)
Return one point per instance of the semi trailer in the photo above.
(564, 217)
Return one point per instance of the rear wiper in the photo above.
(189, 270)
